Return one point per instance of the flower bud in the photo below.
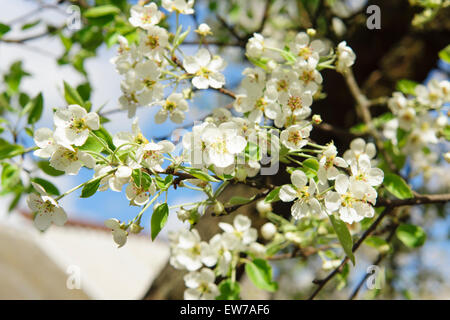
(268, 230)
(263, 207)
(183, 215)
(317, 119)
(219, 208)
(447, 157)
(135, 228)
(311, 32)
(203, 30)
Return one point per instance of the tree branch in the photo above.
(373, 226)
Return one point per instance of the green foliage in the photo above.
(9, 150)
(159, 219)
(444, 54)
(49, 187)
(397, 186)
(344, 236)
(406, 86)
(259, 272)
(273, 195)
(90, 188)
(229, 290)
(412, 236)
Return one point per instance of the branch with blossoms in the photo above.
(265, 129)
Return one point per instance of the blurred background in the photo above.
(80, 261)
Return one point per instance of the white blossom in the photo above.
(345, 57)
(46, 209)
(206, 69)
(180, 6)
(174, 106)
(200, 285)
(73, 125)
(145, 16)
(119, 235)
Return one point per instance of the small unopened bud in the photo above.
(447, 157)
(268, 230)
(311, 32)
(135, 228)
(203, 30)
(183, 215)
(316, 119)
(219, 208)
(272, 65)
(263, 207)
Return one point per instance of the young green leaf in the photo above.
(101, 11)
(260, 273)
(91, 188)
(397, 186)
(412, 236)
(406, 86)
(229, 290)
(92, 144)
(49, 187)
(378, 243)
(444, 54)
(159, 219)
(36, 109)
(72, 96)
(273, 195)
(200, 174)
(344, 237)
(240, 200)
(45, 166)
(8, 150)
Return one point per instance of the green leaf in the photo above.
(101, 11)
(90, 188)
(8, 150)
(310, 167)
(397, 186)
(104, 135)
(444, 54)
(72, 96)
(260, 273)
(159, 219)
(407, 86)
(4, 29)
(200, 174)
(240, 200)
(36, 109)
(378, 243)
(49, 187)
(141, 179)
(165, 183)
(412, 236)
(229, 290)
(273, 195)
(10, 176)
(45, 166)
(92, 144)
(30, 25)
(344, 236)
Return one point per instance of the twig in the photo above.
(363, 105)
(416, 200)
(323, 282)
(380, 257)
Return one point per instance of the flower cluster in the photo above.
(221, 253)
(352, 195)
(419, 122)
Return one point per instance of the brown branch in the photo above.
(416, 200)
(363, 105)
(380, 257)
